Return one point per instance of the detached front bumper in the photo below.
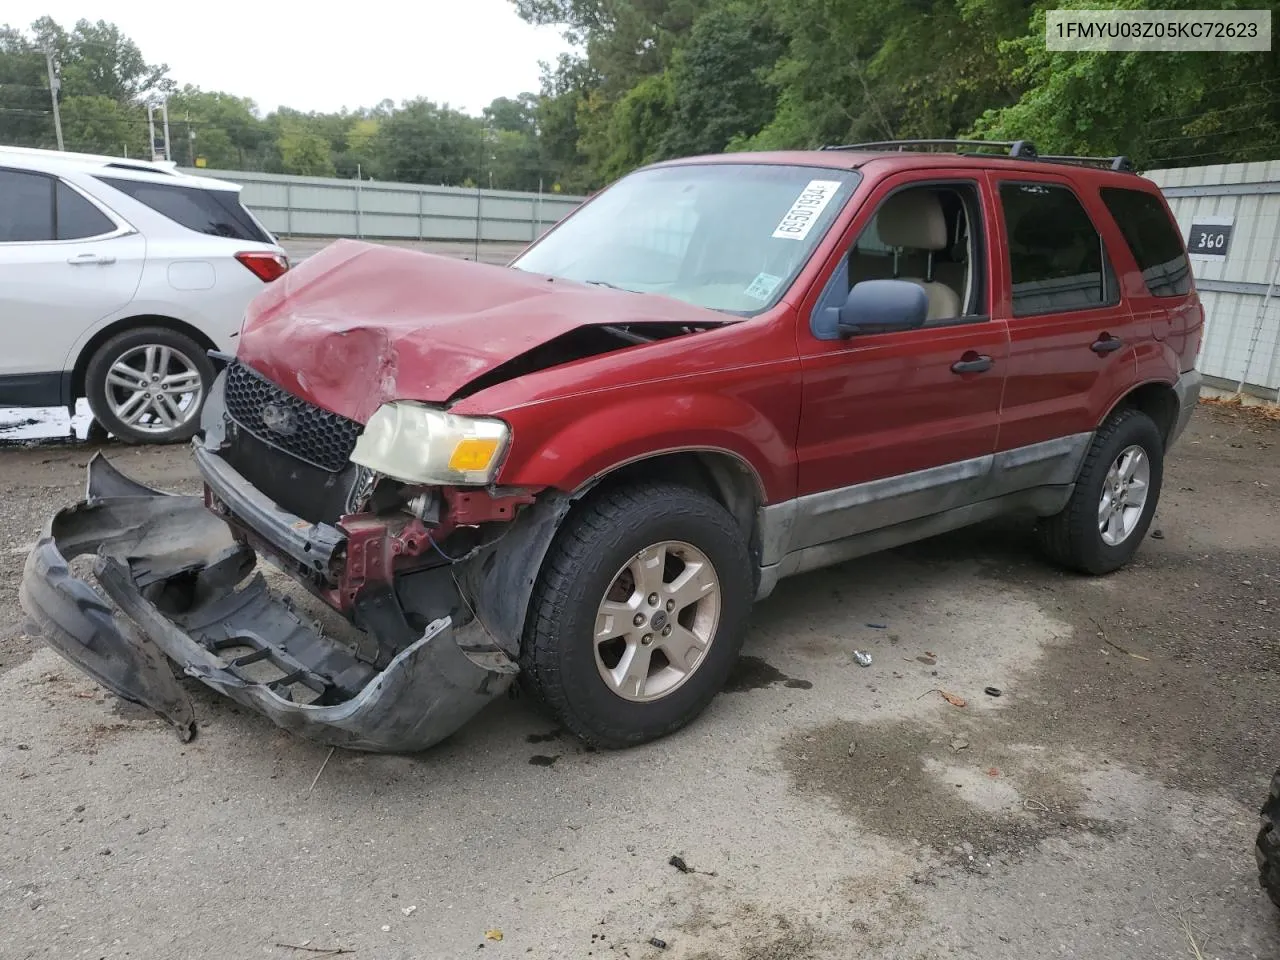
(184, 580)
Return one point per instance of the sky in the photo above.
(461, 52)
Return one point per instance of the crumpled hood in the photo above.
(359, 324)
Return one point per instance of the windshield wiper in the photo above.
(606, 283)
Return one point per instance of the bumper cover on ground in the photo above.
(179, 574)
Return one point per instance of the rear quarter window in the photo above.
(216, 213)
(1153, 239)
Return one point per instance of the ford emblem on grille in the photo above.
(278, 419)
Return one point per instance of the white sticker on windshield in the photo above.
(762, 287)
(804, 213)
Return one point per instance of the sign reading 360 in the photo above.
(1210, 237)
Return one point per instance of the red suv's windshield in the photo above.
(730, 237)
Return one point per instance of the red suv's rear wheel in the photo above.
(639, 612)
(1114, 500)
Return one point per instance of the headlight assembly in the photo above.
(419, 444)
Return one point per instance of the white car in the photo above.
(116, 279)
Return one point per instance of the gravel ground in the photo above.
(1103, 806)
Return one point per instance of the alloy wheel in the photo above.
(657, 621)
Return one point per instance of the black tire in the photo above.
(1267, 849)
(1071, 538)
(558, 656)
(124, 344)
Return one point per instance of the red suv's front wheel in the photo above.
(639, 613)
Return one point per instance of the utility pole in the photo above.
(151, 130)
(164, 107)
(55, 84)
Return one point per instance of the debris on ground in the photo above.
(861, 658)
(1102, 635)
(678, 862)
(959, 743)
(408, 911)
(655, 942)
(928, 661)
(853, 748)
(326, 951)
(993, 691)
(878, 626)
(316, 779)
(1157, 534)
(494, 935)
(951, 698)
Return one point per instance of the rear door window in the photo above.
(1056, 256)
(1155, 242)
(26, 207)
(217, 213)
(77, 218)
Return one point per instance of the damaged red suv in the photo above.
(582, 470)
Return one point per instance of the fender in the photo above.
(556, 445)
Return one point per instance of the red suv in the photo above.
(583, 469)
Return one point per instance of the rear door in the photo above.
(66, 262)
(903, 424)
(1072, 334)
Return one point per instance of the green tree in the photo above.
(304, 151)
(621, 136)
(26, 117)
(426, 142)
(97, 124)
(223, 129)
(719, 82)
(98, 60)
(1160, 109)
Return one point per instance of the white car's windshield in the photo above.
(728, 236)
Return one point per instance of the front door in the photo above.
(901, 425)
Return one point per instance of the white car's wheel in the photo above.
(149, 385)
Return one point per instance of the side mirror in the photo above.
(881, 306)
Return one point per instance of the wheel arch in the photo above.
(1157, 399)
(721, 474)
(76, 384)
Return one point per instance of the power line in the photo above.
(1203, 136)
(1218, 153)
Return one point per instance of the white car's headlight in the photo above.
(420, 444)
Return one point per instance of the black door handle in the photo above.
(974, 364)
(1106, 344)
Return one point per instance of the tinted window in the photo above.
(1055, 254)
(26, 207)
(1155, 242)
(77, 218)
(214, 212)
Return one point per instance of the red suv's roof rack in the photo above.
(1017, 149)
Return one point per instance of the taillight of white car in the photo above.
(265, 266)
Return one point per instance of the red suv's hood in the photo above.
(359, 324)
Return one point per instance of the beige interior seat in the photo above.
(913, 220)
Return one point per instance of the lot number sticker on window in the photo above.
(804, 213)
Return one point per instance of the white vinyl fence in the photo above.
(329, 207)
